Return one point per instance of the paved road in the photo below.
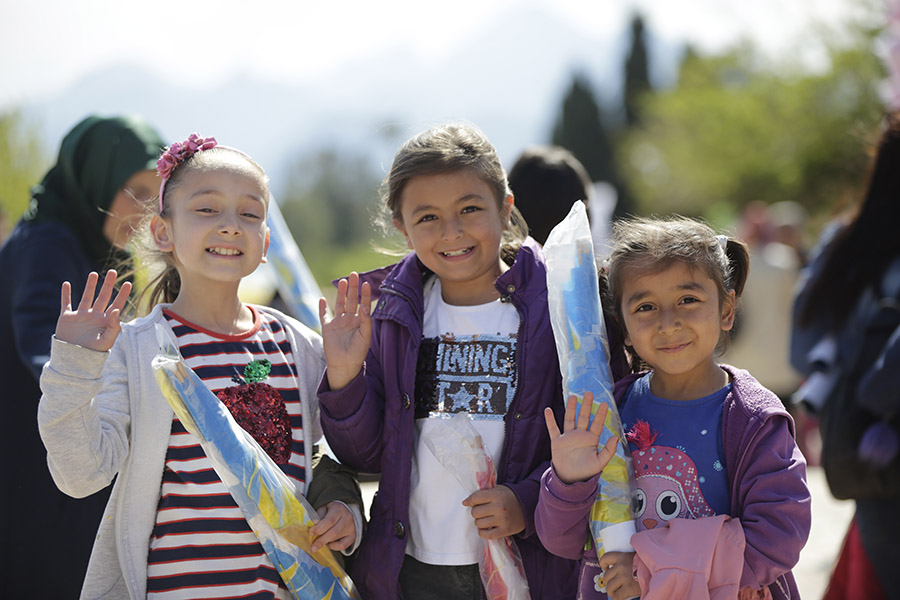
(829, 524)
(830, 521)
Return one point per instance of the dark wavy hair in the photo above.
(643, 246)
(546, 181)
(862, 250)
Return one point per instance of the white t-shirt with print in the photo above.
(466, 364)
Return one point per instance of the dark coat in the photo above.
(37, 519)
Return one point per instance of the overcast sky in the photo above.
(47, 44)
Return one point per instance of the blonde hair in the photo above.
(164, 281)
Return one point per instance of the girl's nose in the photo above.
(669, 322)
(228, 224)
(451, 229)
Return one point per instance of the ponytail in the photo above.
(150, 263)
(164, 287)
(738, 256)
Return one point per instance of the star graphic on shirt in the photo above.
(461, 399)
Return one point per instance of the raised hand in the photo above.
(575, 453)
(95, 323)
(346, 337)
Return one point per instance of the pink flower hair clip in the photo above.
(176, 154)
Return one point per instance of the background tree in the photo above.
(736, 129)
(637, 73)
(23, 162)
(582, 129)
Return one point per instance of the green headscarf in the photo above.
(95, 160)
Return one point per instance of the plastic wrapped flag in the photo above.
(278, 516)
(583, 349)
(458, 447)
(293, 279)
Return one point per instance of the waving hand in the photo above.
(346, 337)
(93, 324)
(575, 453)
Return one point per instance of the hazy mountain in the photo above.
(508, 78)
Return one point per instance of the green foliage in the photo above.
(329, 205)
(340, 262)
(734, 130)
(22, 163)
(329, 198)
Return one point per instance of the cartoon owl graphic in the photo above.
(666, 482)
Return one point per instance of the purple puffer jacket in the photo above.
(369, 423)
(767, 478)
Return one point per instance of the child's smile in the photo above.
(454, 224)
(225, 251)
(217, 225)
(673, 320)
(455, 253)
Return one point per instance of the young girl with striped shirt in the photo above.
(171, 530)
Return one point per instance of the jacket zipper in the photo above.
(520, 355)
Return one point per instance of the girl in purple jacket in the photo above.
(460, 326)
(706, 439)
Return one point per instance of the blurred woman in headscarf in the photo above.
(79, 219)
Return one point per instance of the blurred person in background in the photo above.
(788, 227)
(79, 220)
(761, 336)
(546, 181)
(853, 274)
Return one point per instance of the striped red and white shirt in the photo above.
(202, 547)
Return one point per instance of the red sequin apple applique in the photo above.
(259, 409)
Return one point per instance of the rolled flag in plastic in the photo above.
(293, 279)
(278, 515)
(583, 349)
(457, 445)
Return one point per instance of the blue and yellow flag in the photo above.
(583, 349)
(277, 514)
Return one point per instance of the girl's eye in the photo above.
(252, 215)
(644, 308)
(689, 300)
(470, 209)
(205, 209)
(426, 218)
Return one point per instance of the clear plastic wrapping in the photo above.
(458, 447)
(278, 515)
(583, 349)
